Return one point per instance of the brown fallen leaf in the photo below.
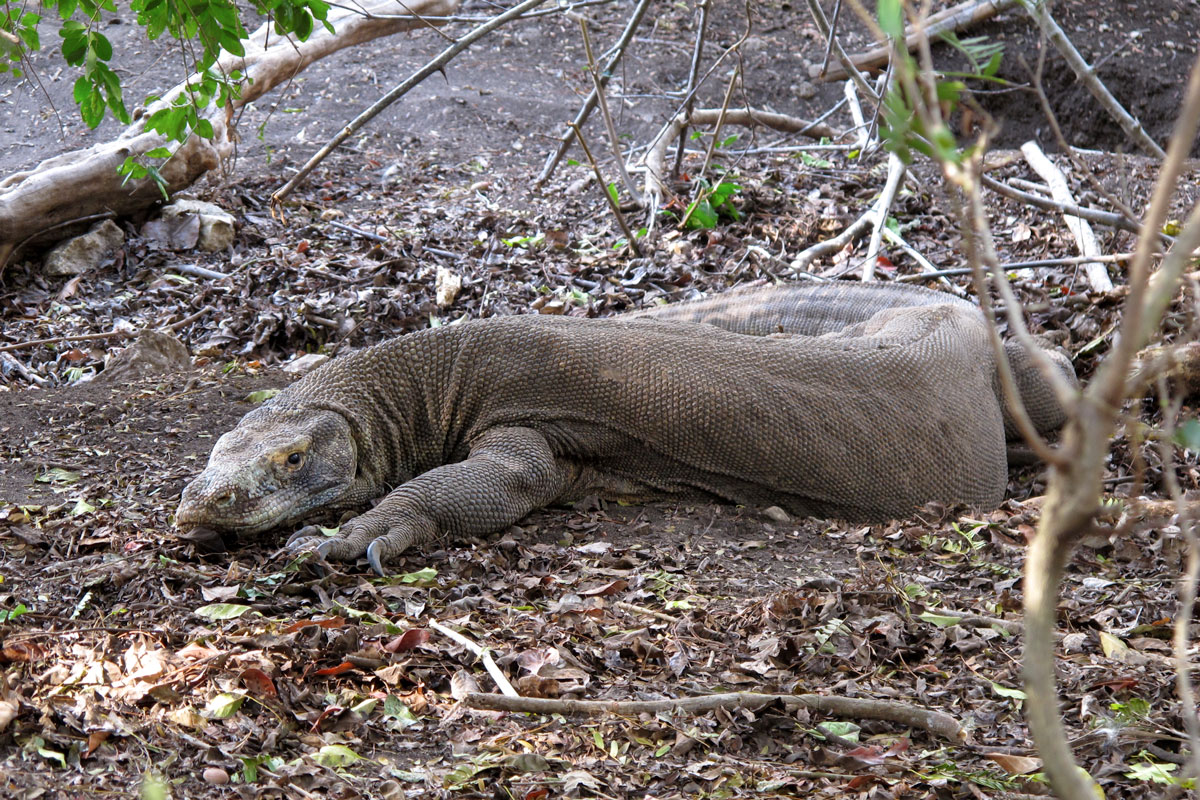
(1015, 765)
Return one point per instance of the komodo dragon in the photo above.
(861, 401)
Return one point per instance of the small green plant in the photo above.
(714, 202)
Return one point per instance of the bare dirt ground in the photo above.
(141, 653)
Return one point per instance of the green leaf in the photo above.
(612, 192)
(58, 475)
(939, 620)
(9, 616)
(336, 755)
(1153, 772)
(158, 152)
(99, 44)
(844, 730)
(92, 109)
(262, 395)
(222, 611)
(82, 507)
(891, 18)
(1188, 435)
(1004, 691)
(421, 576)
(701, 215)
(224, 705)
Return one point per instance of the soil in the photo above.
(147, 655)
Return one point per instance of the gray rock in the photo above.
(84, 253)
(152, 353)
(301, 365)
(190, 223)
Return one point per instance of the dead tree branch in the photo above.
(955, 18)
(1084, 237)
(935, 722)
(589, 105)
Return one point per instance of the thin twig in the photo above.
(612, 203)
(613, 142)
(649, 612)
(198, 271)
(80, 337)
(482, 653)
(833, 23)
(1051, 30)
(1017, 265)
(693, 74)
(374, 237)
(818, 15)
(189, 319)
(716, 134)
(934, 722)
(1090, 214)
(589, 104)
(951, 19)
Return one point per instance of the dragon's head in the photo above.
(274, 468)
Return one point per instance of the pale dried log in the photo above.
(85, 182)
(1085, 237)
(482, 654)
(935, 722)
(955, 18)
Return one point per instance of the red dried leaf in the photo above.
(258, 683)
(407, 640)
(332, 622)
(21, 652)
(95, 739)
(606, 589)
(345, 666)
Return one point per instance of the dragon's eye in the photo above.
(295, 459)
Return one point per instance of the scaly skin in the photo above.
(872, 402)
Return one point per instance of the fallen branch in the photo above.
(1090, 214)
(79, 337)
(1016, 265)
(854, 230)
(935, 722)
(895, 177)
(86, 182)
(955, 18)
(404, 88)
(482, 653)
(1085, 238)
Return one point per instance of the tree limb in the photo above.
(935, 722)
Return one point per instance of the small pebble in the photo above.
(216, 775)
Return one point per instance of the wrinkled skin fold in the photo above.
(840, 400)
